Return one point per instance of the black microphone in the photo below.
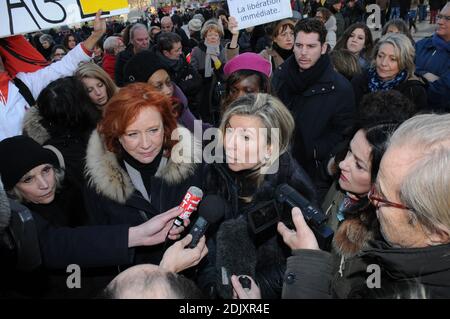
(235, 254)
(314, 216)
(210, 211)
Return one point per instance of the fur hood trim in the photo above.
(108, 178)
(33, 128)
(352, 236)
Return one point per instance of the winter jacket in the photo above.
(186, 118)
(111, 198)
(414, 89)
(273, 57)
(121, 59)
(340, 24)
(266, 253)
(209, 97)
(309, 273)
(321, 113)
(109, 64)
(13, 110)
(71, 145)
(331, 27)
(182, 73)
(433, 55)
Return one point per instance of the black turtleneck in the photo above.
(147, 171)
(282, 52)
(245, 181)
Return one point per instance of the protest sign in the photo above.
(249, 13)
(22, 16)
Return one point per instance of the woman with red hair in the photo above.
(131, 171)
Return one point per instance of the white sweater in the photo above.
(11, 114)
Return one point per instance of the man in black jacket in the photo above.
(169, 49)
(320, 99)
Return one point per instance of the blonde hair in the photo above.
(404, 51)
(92, 70)
(16, 194)
(272, 112)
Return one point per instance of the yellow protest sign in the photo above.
(22, 16)
(90, 7)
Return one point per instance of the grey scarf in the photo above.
(210, 50)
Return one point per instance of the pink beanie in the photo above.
(248, 61)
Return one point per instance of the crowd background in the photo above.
(85, 141)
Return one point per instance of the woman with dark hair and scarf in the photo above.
(355, 167)
(64, 117)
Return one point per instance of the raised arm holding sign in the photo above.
(249, 13)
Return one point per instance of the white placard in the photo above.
(22, 16)
(249, 13)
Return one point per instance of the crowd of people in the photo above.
(104, 129)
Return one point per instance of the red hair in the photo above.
(125, 106)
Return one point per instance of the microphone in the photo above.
(5, 211)
(314, 217)
(210, 211)
(189, 204)
(235, 254)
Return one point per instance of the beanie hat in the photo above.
(248, 61)
(195, 25)
(19, 155)
(142, 66)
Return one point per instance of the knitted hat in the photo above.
(195, 25)
(142, 66)
(19, 155)
(248, 61)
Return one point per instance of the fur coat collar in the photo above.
(108, 178)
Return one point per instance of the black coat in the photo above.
(322, 113)
(414, 90)
(270, 251)
(91, 248)
(309, 273)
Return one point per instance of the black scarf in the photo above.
(282, 52)
(297, 81)
(175, 65)
(147, 171)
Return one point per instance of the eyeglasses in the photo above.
(376, 200)
(441, 16)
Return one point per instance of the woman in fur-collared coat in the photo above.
(133, 167)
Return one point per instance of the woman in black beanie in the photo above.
(34, 175)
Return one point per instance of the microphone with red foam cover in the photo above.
(189, 204)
